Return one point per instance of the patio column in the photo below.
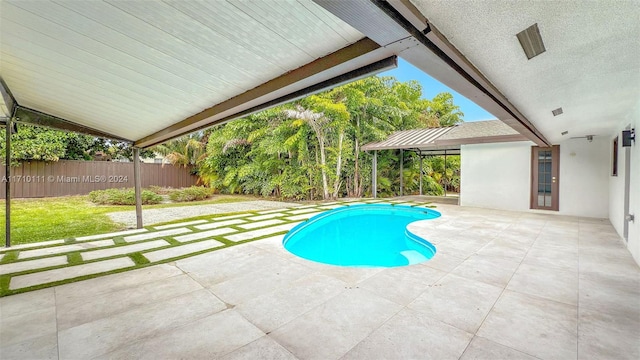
(445, 173)
(7, 183)
(420, 173)
(401, 170)
(138, 186)
(374, 174)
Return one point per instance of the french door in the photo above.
(545, 179)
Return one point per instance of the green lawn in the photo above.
(35, 220)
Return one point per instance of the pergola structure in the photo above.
(439, 141)
(149, 71)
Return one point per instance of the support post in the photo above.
(138, 186)
(445, 173)
(421, 157)
(374, 175)
(7, 184)
(401, 171)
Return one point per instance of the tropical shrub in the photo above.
(123, 197)
(193, 193)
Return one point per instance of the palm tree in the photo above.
(317, 122)
(184, 151)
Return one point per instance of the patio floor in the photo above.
(503, 285)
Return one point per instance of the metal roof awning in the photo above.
(438, 141)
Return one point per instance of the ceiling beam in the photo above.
(391, 21)
(8, 105)
(24, 115)
(278, 90)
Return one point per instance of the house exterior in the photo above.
(499, 176)
(594, 176)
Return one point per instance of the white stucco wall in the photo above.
(616, 189)
(584, 177)
(496, 175)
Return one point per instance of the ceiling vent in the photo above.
(557, 111)
(564, 133)
(531, 41)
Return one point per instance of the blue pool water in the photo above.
(362, 235)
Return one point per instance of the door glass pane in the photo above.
(544, 178)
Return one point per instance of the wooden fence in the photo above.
(67, 177)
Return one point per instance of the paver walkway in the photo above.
(32, 266)
(502, 285)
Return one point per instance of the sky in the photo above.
(431, 87)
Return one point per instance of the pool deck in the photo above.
(503, 285)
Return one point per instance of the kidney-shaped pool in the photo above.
(362, 235)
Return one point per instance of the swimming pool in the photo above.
(362, 235)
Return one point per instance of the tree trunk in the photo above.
(336, 185)
(323, 169)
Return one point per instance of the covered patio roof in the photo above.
(147, 72)
(437, 141)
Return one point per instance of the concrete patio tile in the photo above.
(27, 302)
(260, 232)
(218, 266)
(125, 249)
(412, 335)
(42, 347)
(106, 284)
(274, 309)
(270, 243)
(259, 224)
(402, 285)
(606, 336)
(207, 338)
(243, 288)
(333, 328)
(302, 211)
(563, 259)
(27, 254)
(548, 283)
(204, 234)
(444, 262)
(44, 277)
(609, 293)
(176, 251)
(84, 310)
(539, 327)
(27, 246)
(303, 216)
(220, 218)
(113, 234)
(33, 264)
(504, 248)
(457, 301)
(21, 327)
(105, 335)
(350, 275)
(187, 223)
(489, 269)
(481, 348)
(264, 348)
(157, 234)
(266, 216)
(611, 261)
(271, 211)
(330, 207)
(219, 224)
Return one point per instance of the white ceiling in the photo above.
(132, 68)
(591, 67)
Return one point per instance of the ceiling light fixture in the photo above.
(557, 111)
(531, 41)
